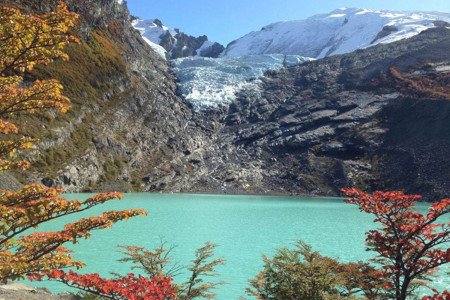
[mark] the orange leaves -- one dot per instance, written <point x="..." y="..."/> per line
<point x="128" y="287"/>
<point x="8" y="149"/>
<point x="27" y="40"/>
<point x="8" y="127"/>
<point x="34" y="205"/>
<point x="82" y="228"/>
<point x="14" y="99"/>
<point x="102" y="198"/>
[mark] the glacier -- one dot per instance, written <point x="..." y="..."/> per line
<point x="341" y="31"/>
<point x="214" y="82"/>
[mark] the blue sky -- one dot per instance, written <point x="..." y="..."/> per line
<point x="227" y="20"/>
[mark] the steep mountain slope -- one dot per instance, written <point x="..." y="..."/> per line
<point x="341" y="31"/>
<point x="126" y="117"/>
<point x="172" y="43"/>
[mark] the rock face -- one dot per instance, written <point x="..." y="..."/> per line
<point x="22" y="292"/>
<point x="377" y="118"/>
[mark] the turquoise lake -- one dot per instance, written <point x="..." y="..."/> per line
<point x="243" y="227"/>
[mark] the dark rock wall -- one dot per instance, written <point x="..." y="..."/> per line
<point x="347" y="120"/>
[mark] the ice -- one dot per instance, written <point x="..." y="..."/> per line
<point x="214" y="82"/>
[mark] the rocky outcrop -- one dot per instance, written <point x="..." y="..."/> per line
<point x="22" y="292"/>
<point x="214" y="50"/>
<point x="374" y="119"/>
<point x="387" y="30"/>
<point x="182" y="45"/>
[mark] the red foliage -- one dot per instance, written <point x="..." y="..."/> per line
<point x="431" y="84"/>
<point x="410" y="245"/>
<point x="438" y="296"/>
<point x="129" y="287"/>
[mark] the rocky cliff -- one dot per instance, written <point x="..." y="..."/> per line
<point x="375" y="118"/>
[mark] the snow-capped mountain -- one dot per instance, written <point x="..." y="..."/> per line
<point x="341" y="31"/>
<point x="172" y="43"/>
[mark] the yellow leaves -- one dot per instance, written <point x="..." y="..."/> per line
<point x="15" y="99"/>
<point x="9" y="81"/>
<point x="9" y="165"/>
<point x="27" y="40"/>
<point x="8" y="149"/>
<point x="45" y="94"/>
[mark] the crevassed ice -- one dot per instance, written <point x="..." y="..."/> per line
<point x="213" y="82"/>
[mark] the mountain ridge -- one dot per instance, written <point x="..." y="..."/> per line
<point x="173" y="43"/>
<point x="340" y="31"/>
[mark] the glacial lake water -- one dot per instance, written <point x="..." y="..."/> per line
<point x="243" y="227"/>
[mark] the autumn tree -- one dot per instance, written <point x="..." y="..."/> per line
<point x="304" y="274"/>
<point x="120" y="288"/>
<point x="410" y="245"/>
<point x="445" y="295"/>
<point x="159" y="262"/>
<point x="27" y="40"/>
<point x="159" y="268"/>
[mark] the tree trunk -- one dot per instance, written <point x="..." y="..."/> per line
<point x="404" y="290"/>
